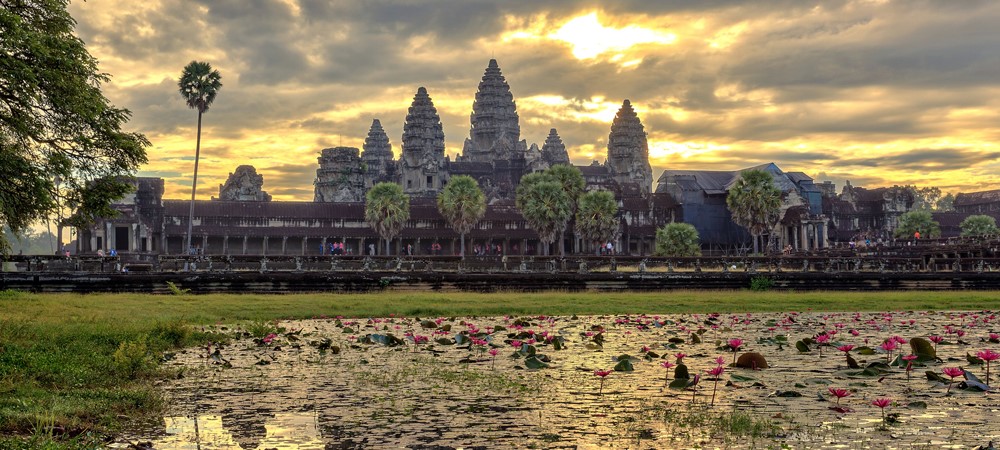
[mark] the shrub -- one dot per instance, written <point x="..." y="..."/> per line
<point x="174" y="333"/>
<point x="760" y="284"/>
<point x="678" y="239"/>
<point x="979" y="225"/>
<point x="132" y="358"/>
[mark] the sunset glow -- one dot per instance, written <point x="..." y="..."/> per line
<point x="879" y="93"/>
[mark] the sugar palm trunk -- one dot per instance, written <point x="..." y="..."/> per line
<point x="461" y="245"/>
<point x="562" y="244"/>
<point x="194" y="186"/>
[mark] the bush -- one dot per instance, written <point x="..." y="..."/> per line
<point x="678" y="239"/>
<point x="979" y="225"/>
<point x="132" y="358"/>
<point x="761" y="284"/>
<point x="174" y="333"/>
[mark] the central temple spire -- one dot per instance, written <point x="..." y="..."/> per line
<point x="423" y="158"/>
<point x="496" y="131"/>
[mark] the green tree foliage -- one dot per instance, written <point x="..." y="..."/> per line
<point x="462" y="204"/>
<point x="30" y="243"/>
<point x="678" y="239"/>
<point x="544" y="205"/>
<point x="597" y="217"/>
<point x="946" y="203"/>
<point x="914" y="221"/>
<point x="979" y="225"/>
<point x="387" y="209"/>
<point x="55" y="123"/>
<point x="755" y="203"/>
<point x="573" y="184"/>
<point x="199" y="85"/>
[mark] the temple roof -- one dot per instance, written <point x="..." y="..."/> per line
<point x="977" y="198"/>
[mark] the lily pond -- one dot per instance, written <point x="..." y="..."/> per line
<point x="914" y="379"/>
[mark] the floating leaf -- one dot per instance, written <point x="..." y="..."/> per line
<point x="532" y="362"/>
<point x="695" y="339"/>
<point x="444" y="341"/>
<point x="786" y="394"/>
<point x="972" y="383"/>
<point x="679" y="383"/>
<point x="923" y="349"/>
<point x="933" y="376"/>
<point x="866" y="351"/>
<point x="624" y="365"/>
<point x="740" y="378"/>
<point x="973" y="360"/>
<point x="851" y="363"/>
<point x="385" y="339"/>
<point x="558" y="343"/>
<point x="675" y="340"/>
<point x="594" y="346"/>
<point x="751" y="360"/>
<point x="461" y="339"/>
<point x="681" y="371"/>
<point x="802" y="347"/>
<point x="528" y="350"/>
<point x="917" y="405"/>
<point x="841" y="409"/>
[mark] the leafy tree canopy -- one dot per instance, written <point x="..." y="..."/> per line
<point x="755" y="202"/>
<point x="387" y="209"/>
<point x="61" y="140"/>
<point x="462" y="204"/>
<point x="544" y="205"/>
<point x="678" y="239"/>
<point x="597" y="216"/>
<point x="979" y="225"/>
<point x="915" y="221"/>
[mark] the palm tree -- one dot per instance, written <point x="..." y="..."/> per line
<point x="199" y="85"/>
<point x="544" y="205"/>
<point x="573" y="184"/>
<point x="597" y="217"/>
<point x="755" y="203"/>
<point x="462" y="204"/>
<point x="387" y="209"/>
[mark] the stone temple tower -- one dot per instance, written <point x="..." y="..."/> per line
<point x="495" y="133"/>
<point x="376" y="156"/>
<point x="554" y="151"/>
<point x="423" y="164"/>
<point x="628" y="151"/>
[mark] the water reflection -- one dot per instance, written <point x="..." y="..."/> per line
<point x="291" y="431"/>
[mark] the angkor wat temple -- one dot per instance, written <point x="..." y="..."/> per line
<point x="244" y="220"/>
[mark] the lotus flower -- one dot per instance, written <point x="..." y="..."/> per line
<point x="602" y="374"/>
<point x="735" y="344"/>
<point x="716" y="372"/>
<point x="952" y="372"/>
<point x="666" y="373"/>
<point x="988" y="355"/>
<point x="936" y="340"/>
<point x="839" y="393"/>
<point x="882" y="403"/>
<point x="909" y="365"/>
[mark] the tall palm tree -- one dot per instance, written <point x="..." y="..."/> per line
<point x="462" y="204"/>
<point x="755" y="203"/>
<point x="544" y="205"/>
<point x="597" y="217"/>
<point x="199" y="85"/>
<point x="573" y="184"/>
<point x="387" y="209"/>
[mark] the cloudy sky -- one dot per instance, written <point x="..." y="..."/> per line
<point x="877" y="92"/>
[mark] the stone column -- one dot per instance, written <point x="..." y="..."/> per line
<point x="284" y="243"/>
<point x="804" y="233"/>
<point x="225" y="245"/>
<point x="204" y="244"/>
<point x="524" y="246"/>
<point x="263" y="246"/>
<point x="305" y="241"/>
<point x="416" y="248"/>
<point x="244" y="244"/>
<point x="826" y="236"/>
<point x="795" y="237"/>
<point x="323" y="242"/>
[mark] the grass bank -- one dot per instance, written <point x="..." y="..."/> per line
<point x="74" y="367"/>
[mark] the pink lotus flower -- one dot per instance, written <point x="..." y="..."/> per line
<point x="602" y="374"/>
<point x="680" y="357"/>
<point x="270" y="337"/>
<point x="882" y="403"/>
<point x="994" y="337"/>
<point x="839" y="393"/>
<point x="720" y="360"/>
<point x="517" y="344"/>
<point x="952" y="372"/>
<point x="988" y="356"/>
<point x="715" y="372"/>
<point x="846" y="348"/>
<point x="854" y="332"/>
<point x="735" y="344"/>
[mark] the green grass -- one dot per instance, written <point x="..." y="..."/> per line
<point x="83" y="363"/>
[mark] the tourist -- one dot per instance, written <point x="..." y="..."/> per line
<point x="610" y="248"/>
<point x="322" y="248"/>
<point x="100" y="252"/>
<point x="916" y="235"/>
<point x="371" y="249"/>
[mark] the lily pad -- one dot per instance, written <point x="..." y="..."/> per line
<point x="624" y="365"/>
<point x="532" y="362"/>
<point x="786" y="394"/>
<point x="802" y="347"/>
<point x="923" y="349"/>
<point x="681" y="371"/>
<point x="752" y="360"/>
